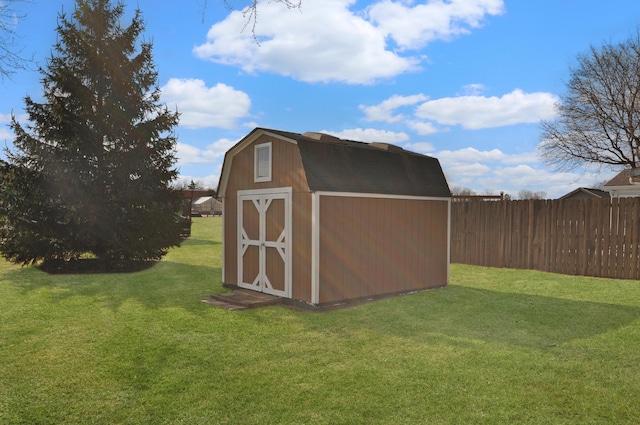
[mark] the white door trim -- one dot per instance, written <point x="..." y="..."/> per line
<point x="262" y="200"/>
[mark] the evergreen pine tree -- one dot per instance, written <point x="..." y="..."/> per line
<point x="91" y="173"/>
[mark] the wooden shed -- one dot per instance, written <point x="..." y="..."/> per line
<point x="319" y="220"/>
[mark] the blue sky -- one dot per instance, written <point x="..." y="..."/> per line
<point x="466" y="81"/>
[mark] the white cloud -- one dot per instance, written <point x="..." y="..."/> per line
<point x="325" y="42"/>
<point x="6" y="118"/>
<point x="420" y="147"/>
<point x="473" y="89"/>
<point x="369" y="135"/>
<point x="423" y="128"/>
<point x="495" y="171"/>
<point x="384" y="111"/>
<point x="476" y="112"/>
<point x="5" y="131"/>
<point x="328" y="41"/>
<point x="467" y="172"/>
<point x="6" y="134"/>
<point x="526" y="158"/>
<point x="412" y="27"/>
<point x="471" y="154"/>
<point x="202" y="107"/>
<point x="189" y="154"/>
<point x="476" y="169"/>
<point x="250" y="124"/>
<point x="471" y="112"/>
<point x="493" y="159"/>
<point x="536" y="178"/>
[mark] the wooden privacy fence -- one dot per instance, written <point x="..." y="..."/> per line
<point x="589" y="237"/>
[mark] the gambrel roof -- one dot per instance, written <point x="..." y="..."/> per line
<point x="336" y="165"/>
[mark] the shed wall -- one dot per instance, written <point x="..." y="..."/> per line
<point x="374" y="246"/>
<point x="287" y="171"/>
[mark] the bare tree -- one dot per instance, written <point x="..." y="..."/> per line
<point x="599" y="116"/>
<point x="462" y="191"/>
<point x="11" y="55"/>
<point x="530" y="194"/>
<point x="251" y="11"/>
<point x="181" y="184"/>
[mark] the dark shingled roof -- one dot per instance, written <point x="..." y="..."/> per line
<point x="584" y="193"/>
<point x="622" y="179"/>
<point x="336" y="165"/>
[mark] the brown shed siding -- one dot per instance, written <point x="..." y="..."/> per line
<point x="371" y="246"/>
<point x="287" y="171"/>
<point x="344" y="239"/>
<point x="287" y="168"/>
<point x="230" y="239"/>
<point x="301" y="236"/>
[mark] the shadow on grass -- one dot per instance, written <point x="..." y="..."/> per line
<point x="165" y="284"/>
<point x="464" y="315"/>
<point x="456" y="314"/>
<point x="196" y="242"/>
<point x="93" y="265"/>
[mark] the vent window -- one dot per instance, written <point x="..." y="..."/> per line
<point x="262" y="162"/>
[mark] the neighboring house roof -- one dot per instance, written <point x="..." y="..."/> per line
<point x="336" y="165"/>
<point x="586" y="193"/>
<point x="622" y="179"/>
<point x="623" y="185"/>
<point x="197" y="193"/>
<point x="202" y="200"/>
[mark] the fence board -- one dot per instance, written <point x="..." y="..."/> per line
<point x="583" y="253"/>
<point x="635" y="239"/>
<point x="626" y="242"/>
<point x="614" y="260"/>
<point x="581" y="237"/>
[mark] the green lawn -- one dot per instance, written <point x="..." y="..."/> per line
<point x="495" y="346"/>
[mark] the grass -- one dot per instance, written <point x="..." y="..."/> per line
<point x="495" y="346"/>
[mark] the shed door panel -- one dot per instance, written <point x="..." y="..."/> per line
<point x="275" y="246"/>
<point x="250" y="267"/>
<point x="250" y="243"/>
<point x="264" y="240"/>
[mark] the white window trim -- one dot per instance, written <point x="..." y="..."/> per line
<point x="256" y="177"/>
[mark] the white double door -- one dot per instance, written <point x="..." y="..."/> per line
<point x="264" y="241"/>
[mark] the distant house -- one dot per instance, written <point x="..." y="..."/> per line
<point x="623" y="185"/>
<point x="202" y="201"/>
<point x="207" y="205"/>
<point x="318" y="220"/>
<point x="586" y="193"/>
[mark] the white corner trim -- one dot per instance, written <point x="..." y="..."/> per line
<point x="382" y="196"/>
<point x="315" y="248"/>
<point x="223" y="242"/>
<point x="448" y="240"/>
